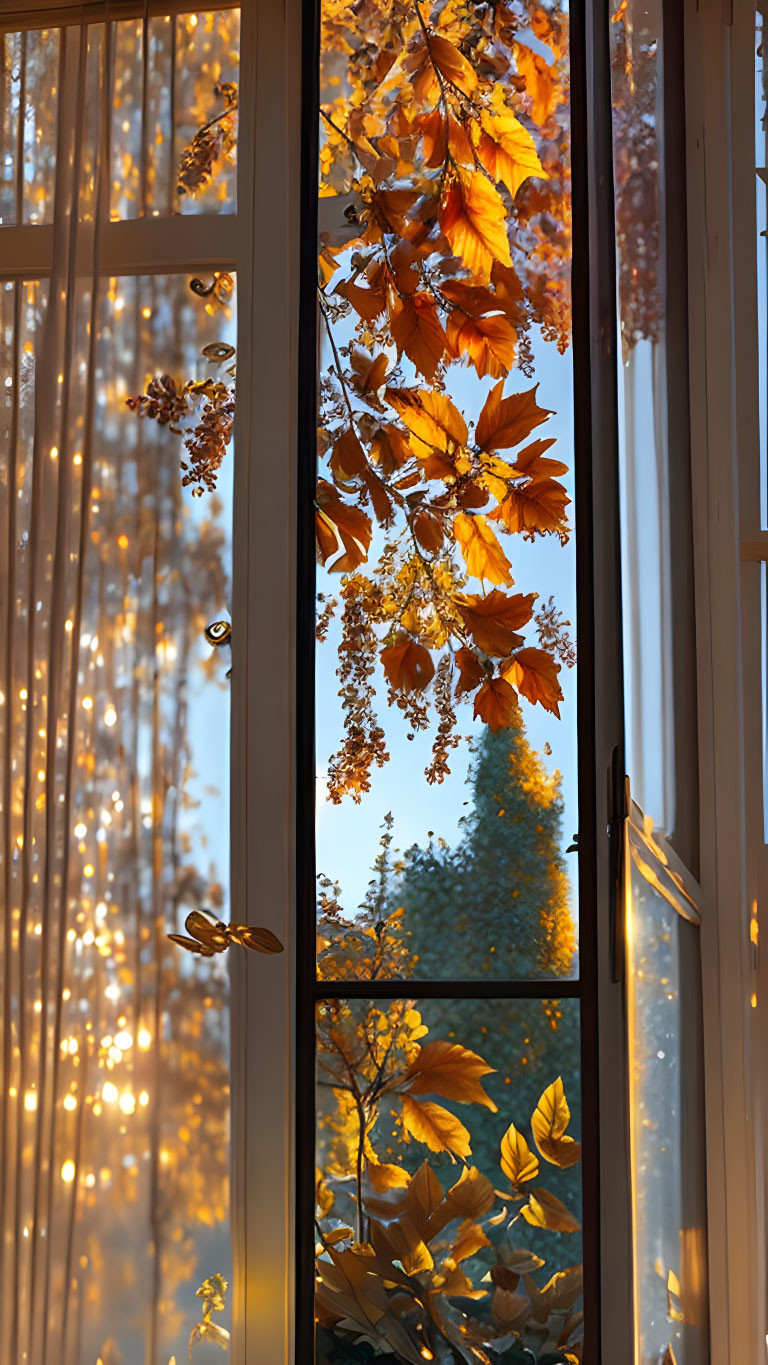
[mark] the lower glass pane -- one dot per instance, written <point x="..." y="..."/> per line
<point x="448" y="1181"/>
<point x="667" y="1130"/>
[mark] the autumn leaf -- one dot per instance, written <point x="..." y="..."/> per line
<point x="495" y="620"/>
<point x="496" y="704"/>
<point x="506" y="148"/>
<point x="559" y="1293"/>
<point x="534" y="672"/>
<point x="469" y="1240"/>
<point x="539" y="82"/>
<point x="408" y="665"/>
<point x="451" y="63"/>
<point x="472" y="299"/>
<point x="384" y="1177"/>
<point x="471" y="1196"/>
<point x="544" y="1210"/>
<point x="434" y="132"/>
<point x="347" y="460"/>
<point x="510" y="1311"/>
<point x="369" y="303"/>
<point x="430" y="417"/>
<point x="473" y="217"/>
<point x="390" y="448"/>
<point x="368" y="372"/>
<point x="338" y="525"/>
<point x="425" y="1196"/>
<point x="549" y="1122"/>
<point x="490" y="343"/>
<point x="471" y="671"/>
<point x="518" y="1162"/>
<point x="451" y="1071"/>
<point x="534" y="507"/>
<point x="504" y="422"/>
<point x="428" y="530"/>
<point x="482" y="552"/>
<point x="435" y="1126"/>
<point x="417" y="330"/>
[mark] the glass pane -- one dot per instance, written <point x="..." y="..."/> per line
<point x="667" y="1129"/>
<point x="115" y="803"/>
<point x="657" y="581"/>
<point x="28" y="125"/>
<point x="446" y="686"/>
<point x="447" y="1212"/>
<point x="174" y="123"/>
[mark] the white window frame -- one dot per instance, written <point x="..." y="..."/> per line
<point x="728" y="549"/>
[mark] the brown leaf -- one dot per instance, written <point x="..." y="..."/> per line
<point x="559" y="1293"/>
<point x="451" y="1071"/>
<point x="434" y="132"/>
<point x="506" y="148"/>
<point x="471" y="1196"/>
<point x="338" y="525"/>
<point x="417" y="330"/>
<point x="408" y="665"/>
<point x="430" y="417"/>
<point x="496" y="704"/>
<point x="451" y="63"/>
<point x="543" y="1210"/>
<point x="504" y="422"/>
<point x="368" y="303"/>
<point x="534" y="672"/>
<point x="471" y="671"/>
<point x="347" y="460"/>
<point x="518" y="1162"/>
<point x="473" y="217"/>
<point x="490" y="343"/>
<point x="510" y="1311"/>
<point x="435" y="1126"/>
<point x="482" y="552"/>
<point x="390" y="448"/>
<point x="495" y="620"/>
<point x="428" y="530"/>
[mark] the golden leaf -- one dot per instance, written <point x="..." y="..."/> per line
<point x="436" y="1127"/>
<point x="451" y="1071"/>
<point x="490" y="343"/>
<point x="482" y="552"/>
<point x="495" y="620"/>
<point x="504" y="422"/>
<point x="417" y="330"/>
<point x="408" y="665"/>
<point x="510" y="1311"/>
<point x="425" y="1195"/>
<point x="496" y="704"/>
<point x="559" y="1293"/>
<point x="534" y="672"/>
<point x="385" y="1177"/>
<point x="474" y="220"/>
<point x="469" y="1240"/>
<point x="430" y="417"/>
<point x="539" y="82"/>
<point x="518" y="1162"/>
<point x="543" y="1210"/>
<point x="506" y="148"/>
<point x="451" y="63"/>
<point x="471" y="1196"/>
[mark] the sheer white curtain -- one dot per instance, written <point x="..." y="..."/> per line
<point x="114" y="735"/>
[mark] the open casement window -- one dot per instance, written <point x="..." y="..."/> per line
<point x="451" y="556"/>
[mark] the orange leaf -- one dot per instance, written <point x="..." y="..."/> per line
<point x="434" y="132"/>
<point x="417" y="330"/>
<point x="451" y="63"/>
<point x="543" y="1210"/>
<point x="390" y="448"/>
<point x="474" y="299"/>
<point x="473" y="217"/>
<point x="430" y="417"/>
<point x="384" y="1177"/>
<point x="518" y="1162"/>
<point x="529" y="461"/>
<point x="435" y="1126"/>
<point x="369" y="303"/>
<point x="495" y="620"/>
<point x="347" y="459"/>
<point x="496" y="704"/>
<point x="368" y="373"/>
<point x="539" y="82"/>
<point x="506" y="149"/>
<point x="549" y="1122"/>
<point x="408" y="665"/>
<point x="482" y="552"/>
<point x="534" y="672"/>
<point x="471" y="671"/>
<point x="340" y="526"/>
<point x="536" y="507"/>
<point x="489" y="342"/>
<point x="451" y="1071"/>
<point x="504" y="422"/>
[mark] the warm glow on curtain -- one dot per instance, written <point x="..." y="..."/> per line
<point x="114" y="732"/>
